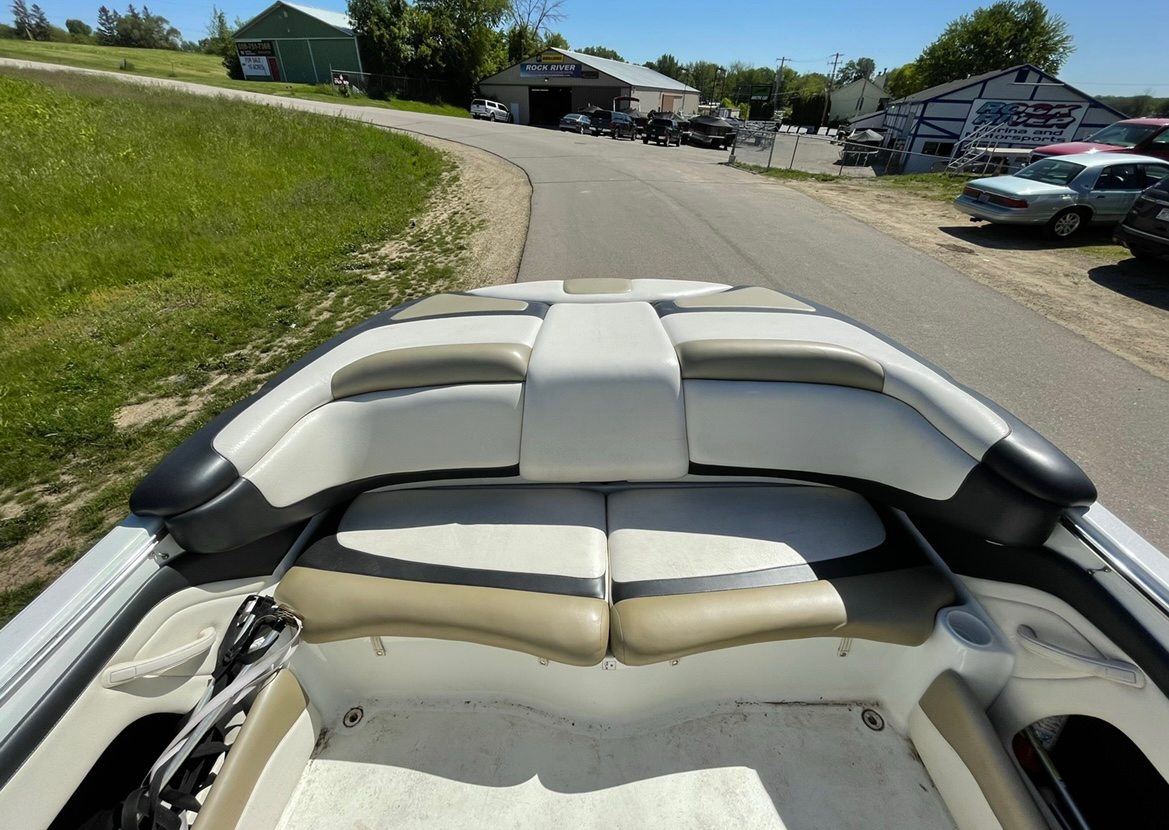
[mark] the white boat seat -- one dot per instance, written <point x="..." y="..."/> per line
<point x="698" y="569"/>
<point x="518" y="569"/>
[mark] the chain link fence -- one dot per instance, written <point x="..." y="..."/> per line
<point x="385" y="87"/>
<point x="795" y="148"/>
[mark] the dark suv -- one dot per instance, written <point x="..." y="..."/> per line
<point x="665" y="131"/>
<point x="616" y="124"/>
<point x="1145" y="231"/>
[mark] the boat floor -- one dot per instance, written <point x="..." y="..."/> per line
<point x="744" y="765"/>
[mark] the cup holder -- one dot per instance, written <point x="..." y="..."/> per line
<point x="967" y="628"/>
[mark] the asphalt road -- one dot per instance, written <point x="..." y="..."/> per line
<point x="619" y="208"/>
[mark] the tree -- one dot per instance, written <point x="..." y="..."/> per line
<point x="78" y="28"/>
<point x="555" y="40"/>
<point x="668" y="65"/>
<point x="383" y="34"/>
<point x="40" y="23"/>
<point x="21" y="20"/>
<point x="904" y="80"/>
<point x="535" y="15"/>
<point x="219" y="41"/>
<point x="857" y="69"/>
<point x="602" y="52"/>
<point x="1006" y="34"/>
<point x="458" y="41"/>
<point x="107" y="27"/>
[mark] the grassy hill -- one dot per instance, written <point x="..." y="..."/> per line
<point x="189" y="66"/>
<point x="161" y="254"/>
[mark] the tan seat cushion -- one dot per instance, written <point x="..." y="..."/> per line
<point x="522" y="569"/>
<point x="698" y="569"/>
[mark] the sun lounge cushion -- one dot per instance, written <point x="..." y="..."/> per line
<point x="518" y="569"/>
<point x="698" y="569"/>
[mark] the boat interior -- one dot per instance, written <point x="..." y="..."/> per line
<point x="624" y="554"/>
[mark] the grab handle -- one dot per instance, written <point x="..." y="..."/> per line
<point x="120" y="673"/>
<point x="1115" y="670"/>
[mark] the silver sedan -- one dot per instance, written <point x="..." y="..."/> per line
<point x="1065" y="193"/>
<point x="575" y="122"/>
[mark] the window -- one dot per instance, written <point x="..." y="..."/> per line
<point x="1161" y="140"/>
<point x="1051" y="171"/>
<point x="1154" y="173"/>
<point x="1121" y="177"/>
<point x="1123" y="135"/>
<point x="938" y="148"/>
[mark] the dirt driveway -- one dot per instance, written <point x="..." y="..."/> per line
<point x="1120" y="306"/>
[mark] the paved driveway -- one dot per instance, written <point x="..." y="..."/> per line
<point x="621" y="208"/>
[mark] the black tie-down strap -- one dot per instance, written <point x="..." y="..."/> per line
<point x="258" y="643"/>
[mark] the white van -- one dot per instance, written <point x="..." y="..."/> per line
<point x="491" y="110"/>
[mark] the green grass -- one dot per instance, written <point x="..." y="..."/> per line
<point x="157" y="245"/>
<point x="198" y="68"/>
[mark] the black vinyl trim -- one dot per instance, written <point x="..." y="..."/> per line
<point x="1055" y="574"/>
<point x="984" y="504"/>
<point x="330" y="555"/>
<point x="241" y="514"/>
<point x="877" y="560"/>
<point x="898" y="550"/>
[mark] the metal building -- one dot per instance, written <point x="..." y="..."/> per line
<point x="294" y="43"/>
<point x="558" y="81"/>
<point x="1017" y="107"/>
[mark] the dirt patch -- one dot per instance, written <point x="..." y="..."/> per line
<point x="1122" y="307"/>
<point x="487" y="196"/>
<point x="137" y="414"/>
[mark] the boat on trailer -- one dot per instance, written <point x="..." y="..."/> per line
<point x="599" y="553"/>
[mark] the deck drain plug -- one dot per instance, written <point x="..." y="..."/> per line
<point x="354" y="716"/>
<point x="871" y="719"/>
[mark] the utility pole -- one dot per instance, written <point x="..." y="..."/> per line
<point x="778" y="83"/>
<point x="828" y="92"/>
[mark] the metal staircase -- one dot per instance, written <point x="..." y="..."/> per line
<point x="970" y="152"/>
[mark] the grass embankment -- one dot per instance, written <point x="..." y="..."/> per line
<point x="198" y="68"/>
<point x="161" y="254"/>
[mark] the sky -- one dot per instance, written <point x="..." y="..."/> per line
<point x="1113" y="54"/>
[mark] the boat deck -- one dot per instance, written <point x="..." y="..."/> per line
<point x="497" y="765"/>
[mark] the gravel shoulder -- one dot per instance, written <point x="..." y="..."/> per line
<point x="1121" y="307"/>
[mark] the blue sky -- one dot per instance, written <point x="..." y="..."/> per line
<point x="1116" y="54"/>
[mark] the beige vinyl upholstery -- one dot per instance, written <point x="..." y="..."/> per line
<point x="512" y="568"/>
<point x="699" y="569"/>
<point x="277" y="708"/>
<point x="955" y="713"/>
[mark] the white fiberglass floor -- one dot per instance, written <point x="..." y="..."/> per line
<point x="746" y="765"/>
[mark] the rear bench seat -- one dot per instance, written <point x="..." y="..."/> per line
<point x="705" y="568"/>
<point x="518" y="569"/>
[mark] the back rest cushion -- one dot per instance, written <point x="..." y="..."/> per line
<point x="603" y="397"/>
<point x="815" y="428"/>
<point x="387" y="433"/>
<point x="256" y="430"/>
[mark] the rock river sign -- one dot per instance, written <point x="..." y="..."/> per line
<point x="1024" y="123"/>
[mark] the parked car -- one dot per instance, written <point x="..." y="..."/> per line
<point x="616" y="124"/>
<point x="1143" y="136"/>
<point x="575" y="122"/>
<point x="1145" y="230"/>
<point x="711" y="131"/>
<point x="489" y="110"/>
<point x="1063" y="194"/>
<point x="662" y="131"/>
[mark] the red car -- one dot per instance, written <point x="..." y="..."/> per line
<point x="1145" y="136"/>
